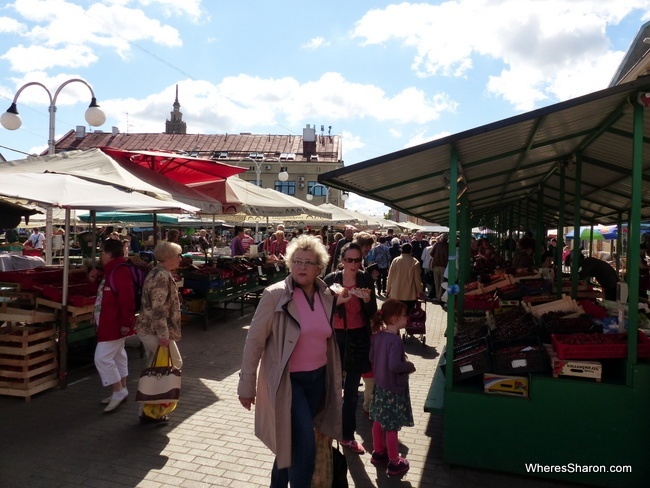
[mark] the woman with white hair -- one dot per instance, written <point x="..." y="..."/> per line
<point x="159" y="322"/>
<point x="291" y="369"/>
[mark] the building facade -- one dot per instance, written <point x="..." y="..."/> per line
<point x="303" y="158"/>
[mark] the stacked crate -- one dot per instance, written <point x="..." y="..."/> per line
<point x="28" y="358"/>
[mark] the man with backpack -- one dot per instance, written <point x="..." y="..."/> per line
<point x="114" y="317"/>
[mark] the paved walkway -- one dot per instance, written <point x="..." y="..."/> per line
<point x="61" y="438"/>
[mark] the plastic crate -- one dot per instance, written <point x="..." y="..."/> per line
<point x="613" y="346"/>
<point x="525" y="355"/>
<point x="471" y="360"/>
<point x="485" y="301"/>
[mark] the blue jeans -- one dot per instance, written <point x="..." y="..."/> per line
<point x="307" y="393"/>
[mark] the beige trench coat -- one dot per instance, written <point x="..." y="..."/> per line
<point x="271" y="339"/>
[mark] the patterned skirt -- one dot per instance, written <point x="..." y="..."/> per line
<point x="391" y="410"/>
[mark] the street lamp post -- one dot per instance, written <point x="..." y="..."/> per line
<point x="310" y="195"/>
<point x="11" y="120"/>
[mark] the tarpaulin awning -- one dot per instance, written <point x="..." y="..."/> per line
<point x="184" y="169"/>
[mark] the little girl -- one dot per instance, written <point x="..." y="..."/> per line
<point x="390" y="408"/>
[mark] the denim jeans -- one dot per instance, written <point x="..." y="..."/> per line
<point x="307" y="393"/>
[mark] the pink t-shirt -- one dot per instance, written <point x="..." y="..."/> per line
<point x="310" y="352"/>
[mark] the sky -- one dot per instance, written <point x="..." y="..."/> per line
<point x="383" y="75"/>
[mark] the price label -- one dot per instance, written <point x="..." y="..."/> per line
<point x="519" y="363"/>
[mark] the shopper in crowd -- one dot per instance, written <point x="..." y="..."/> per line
<point x="427" y="269"/>
<point x="247" y="240"/>
<point x="602" y="272"/>
<point x="404" y="281"/>
<point x="114" y="318"/>
<point x="331" y="249"/>
<point x="279" y="245"/>
<point x="236" y="245"/>
<point x="381" y="257"/>
<point x="36" y="240"/>
<point x="159" y="321"/>
<point x="173" y="235"/>
<point x="523" y="259"/>
<point x="292" y="345"/>
<point x="352" y="327"/>
<point x="204" y="241"/>
<point x="347" y="237"/>
<point x="439" y="260"/>
<point x="390" y="408"/>
<point x="395" y="248"/>
<point x="418" y="243"/>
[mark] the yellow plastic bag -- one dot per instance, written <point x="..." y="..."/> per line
<point x="158" y="410"/>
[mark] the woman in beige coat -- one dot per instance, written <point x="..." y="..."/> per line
<point x="404" y="281"/>
<point x="299" y="385"/>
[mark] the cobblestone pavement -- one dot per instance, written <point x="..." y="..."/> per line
<point x="61" y="438"/>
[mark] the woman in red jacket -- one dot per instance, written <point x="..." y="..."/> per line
<point x="115" y="319"/>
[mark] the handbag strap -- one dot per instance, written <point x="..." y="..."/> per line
<point x="170" y="362"/>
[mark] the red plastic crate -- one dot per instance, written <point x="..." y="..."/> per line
<point x="486" y="301"/>
<point x="599" y="351"/>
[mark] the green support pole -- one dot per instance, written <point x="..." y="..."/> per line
<point x="634" y="239"/>
<point x="451" y="263"/>
<point x="619" y="242"/>
<point x="557" y="259"/>
<point x="464" y="253"/>
<point x="575" y="252"/>
<point x="539" y="226"/>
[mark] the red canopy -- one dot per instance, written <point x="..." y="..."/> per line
<point x="184" y="169"/>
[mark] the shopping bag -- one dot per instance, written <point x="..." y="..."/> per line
<point x="331" y="467"/>
<point x="161" y="382"/>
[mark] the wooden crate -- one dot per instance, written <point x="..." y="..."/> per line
<point x="28" y="360"/>
<point x="26" y="316"/>
<point x="75" y="314"/>
<point x="23" y="341"/>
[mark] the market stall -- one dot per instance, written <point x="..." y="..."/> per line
<point x="46" y="299"/>
<point x="576" y="163"/>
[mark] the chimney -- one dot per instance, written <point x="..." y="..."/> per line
<point x="81" y="132"/>
<point x="308" y="142"/>
<point x="115" y="131"/>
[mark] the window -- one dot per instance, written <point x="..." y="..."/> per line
<point x="286" y="187"/>
<point x="254" y="182"/>
<point x="317" y="191"/>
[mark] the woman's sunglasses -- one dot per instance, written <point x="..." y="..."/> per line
<point x="352" y="260"/>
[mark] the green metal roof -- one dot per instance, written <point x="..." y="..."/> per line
<point x="508" y="164"/>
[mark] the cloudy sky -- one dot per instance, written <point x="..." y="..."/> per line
<point x="383" y="75"/>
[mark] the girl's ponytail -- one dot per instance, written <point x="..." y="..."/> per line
<point x="391" y="308"/>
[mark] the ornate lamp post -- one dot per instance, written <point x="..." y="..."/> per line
<point x="11" y="120"/>
<point x="310" y="195"/>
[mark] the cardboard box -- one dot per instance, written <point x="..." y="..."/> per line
<point x="505" y="385"/>
<point x="577" y="369"/>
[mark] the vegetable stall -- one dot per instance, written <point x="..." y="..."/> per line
<point x="580" y="162"/>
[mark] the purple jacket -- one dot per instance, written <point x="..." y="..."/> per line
<point x="389" y="364"/>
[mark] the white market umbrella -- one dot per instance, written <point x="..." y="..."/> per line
<point x="238" y="196"/>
